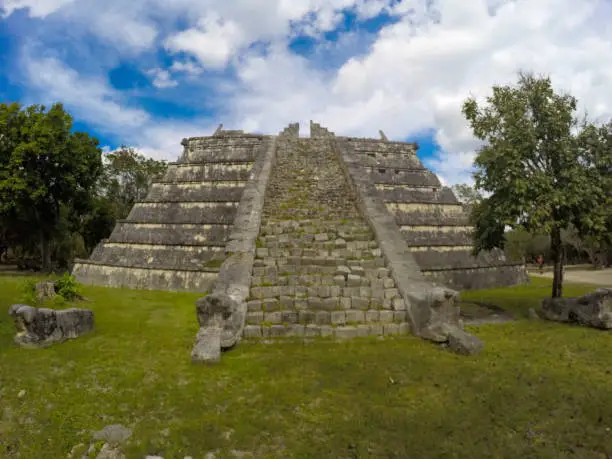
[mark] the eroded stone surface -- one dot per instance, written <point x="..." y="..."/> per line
<point x="592" y="310"/>
<point x="40" y="327"/>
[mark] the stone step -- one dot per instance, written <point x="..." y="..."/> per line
<point x="318" y="255"/>
<point x="387" y="301"/>
<point x="313" y="263"/>
<point x="326" y="317"/>
<point x="318" y="241"/>
<point x="313" y="330"/>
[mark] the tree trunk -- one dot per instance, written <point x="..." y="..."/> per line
<point x="556" y="247"/>
<point x="45" y="252"/>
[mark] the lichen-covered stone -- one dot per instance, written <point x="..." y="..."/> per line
<point x="41" y="327"/>
<point x="592" y="310"/>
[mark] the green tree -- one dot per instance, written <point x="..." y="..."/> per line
<point x="532" y="167"/>
<point x="468" y="195"/>
<point x="44" y="166"/>
<point x="127" y="178"/>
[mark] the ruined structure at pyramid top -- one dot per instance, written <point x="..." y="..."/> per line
<point x="293" y="130"/>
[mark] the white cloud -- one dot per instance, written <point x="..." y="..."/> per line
<point x="95" y="102"/>
<point x="413" y="77"/>
<point x="213" y="41"/>
<point x="162" y="78"/>
<point x="36" y="8"/>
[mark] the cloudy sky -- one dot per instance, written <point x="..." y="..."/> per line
<point x="150" y="72"/>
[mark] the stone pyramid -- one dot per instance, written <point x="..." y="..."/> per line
<point x="314" y="221"/>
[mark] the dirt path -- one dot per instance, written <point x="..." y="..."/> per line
<point x="601" y="277"/>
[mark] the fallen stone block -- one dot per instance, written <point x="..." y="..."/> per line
<point x="464" y="343"/>
<point x="591" y="310"/>
<point x="41" y="327"/>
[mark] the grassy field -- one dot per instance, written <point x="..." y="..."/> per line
<point x="539" y="390"/>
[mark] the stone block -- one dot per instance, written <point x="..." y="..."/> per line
<point x="462" y="342"/>
<point x="329" y="304"/>
<point x="315" y="302"/>
<point x="300" y="303"/>
<point x="207" y="347"/>
<point x="286" y="302"/>
<point x="311" y="331"/>
<point x="353" y="316"/>
<point x="372" y="316"/>
<point x="365" y="292"/>
<point x="391" y="293"/>
<point x="252" y="331"/>
<point x="363" y="330"/>
<point x="339" y="280"/>
<point x="398" y="304"/>
<point x="400" y="316"/>
<point x="376" y="329"/>
<point x="386" y="316"/>
<point x="278" y="331"/>
<point x="358" y="302"/>
<point x="296" y="330"/>
<point x="404" y="328"/>
<point x="338" y="317"/>
<point x="254" y="305"/>
<point x="323" y="318"/>
<point x="353" y="280"/>
<point x="389" y="282"/>
<point x="255" y="317"/>
<point x="41" y="327"/>
<point x="324" y="291"/>
<point x="306" y="317"/>
<point x="346" y="332"/>
<point x="326" y="330"/>
<point x="275" y="317"/>
<point x="345" y="303"/>
<point x="391" y="329"/>
<point x="270" y="304"/>
<point x="289" y="317"/>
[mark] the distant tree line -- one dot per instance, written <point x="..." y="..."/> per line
<point x="59" y="194"/>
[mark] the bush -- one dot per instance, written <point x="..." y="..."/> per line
<point x="68" y="288"/>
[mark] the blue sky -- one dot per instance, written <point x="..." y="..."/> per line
<point x="150" y="72"/>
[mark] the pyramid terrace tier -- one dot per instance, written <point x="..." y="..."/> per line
<point x="437" y="235"/>
<point x="171" y="233"/>
<point x="431" y="258"/>
<point x="410" y="194"/>
<point x="159" y="256"/>
<point x="207" y="172"/>
<point x="212" y="149"/>
<point x="222" y="155"/>
<point x="218" y="213"/>
<point x="480" y="278"/>
<point x="94" y="273"/>
<point x="425" y="214"/>
<point x="396" y="176"/>
<point x="217" y="191"/>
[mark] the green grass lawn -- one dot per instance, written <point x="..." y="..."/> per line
<point x="538" y="389"/>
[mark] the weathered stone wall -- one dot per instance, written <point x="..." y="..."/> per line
<point x="432" y="220"/>
<point x="292" y="131"/>
<point x="180" y="230"/>
<point x="317" y="131"/>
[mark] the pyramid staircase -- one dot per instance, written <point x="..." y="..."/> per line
<point x="318" y="269"/>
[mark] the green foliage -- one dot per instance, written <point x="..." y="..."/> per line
<point x="43" y="167"/>
<point x="28" y="292"/>
<point x="67" y="287"/>
<point x="537" y="173"/>
<point x="127" y="178"/>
